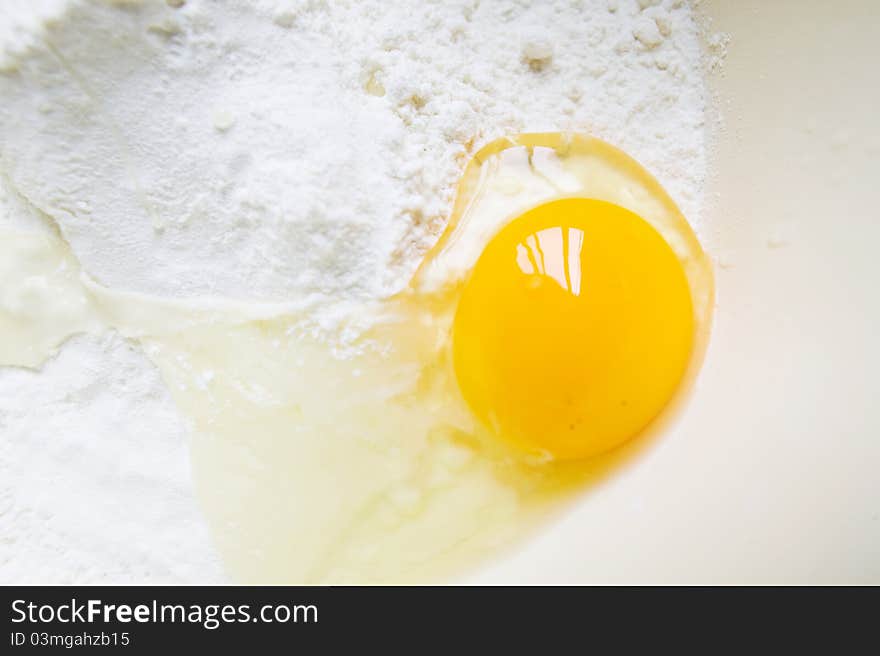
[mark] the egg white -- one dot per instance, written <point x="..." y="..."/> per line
<point x="316" y="467"/>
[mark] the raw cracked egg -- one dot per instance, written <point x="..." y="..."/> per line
<point x="583" y="294"/>
<point x="558" y="317"/>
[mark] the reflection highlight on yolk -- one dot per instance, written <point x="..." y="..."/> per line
<point x="574" y="329"/>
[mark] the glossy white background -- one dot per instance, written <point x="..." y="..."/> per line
<point x="772" y="473"/>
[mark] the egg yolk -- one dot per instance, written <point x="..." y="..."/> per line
<point x="574" y="329"/>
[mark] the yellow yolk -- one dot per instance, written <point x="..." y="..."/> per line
<point x="574" y="330"/>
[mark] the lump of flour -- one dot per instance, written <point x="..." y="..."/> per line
<point x="94" y="474"/>
<point x="296" y="151"/>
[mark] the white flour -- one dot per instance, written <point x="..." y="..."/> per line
<point x="297" y="151"/>
<point x="96" y="474"/>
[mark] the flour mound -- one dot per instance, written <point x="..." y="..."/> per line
<point x="309" y="152"/>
